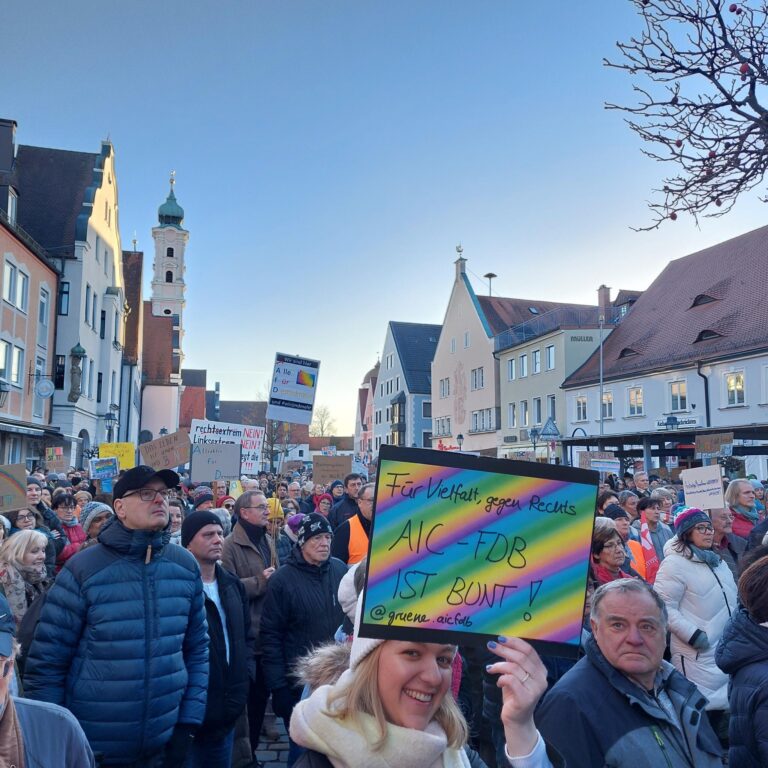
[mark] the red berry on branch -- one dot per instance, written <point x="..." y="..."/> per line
<point x="718" y="202"/>
<point x="712" y="154"/>
<point x="732" y="7"/>
<point x="673" y="216"/>
<point x="679" y="143"/>
<point x="738" y="11"/>
<point x="744" y="68"/>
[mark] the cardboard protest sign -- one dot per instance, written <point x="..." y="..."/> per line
<point x="326" y="469"/>
<point x="294" y="385"/>
<point x="214" y="462"/>
<point x="586" y="458"/>
<point x="703" y="487"/>
<point x="249" y="438"/>
<point x="55" y="461"/>
<point x="13" y="487"/>
<point x="714" y="444"/>
<point x="168" y="451"/>
<point x="103" y="469"/>
<point x="125" y="453"/>
<point x="465" y="548"/>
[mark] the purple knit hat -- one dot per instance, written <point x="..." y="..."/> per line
<point x="688" y="518"/>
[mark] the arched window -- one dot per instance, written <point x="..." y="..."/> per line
<point x="169" y="252"/>
<point x="169" y="276"/>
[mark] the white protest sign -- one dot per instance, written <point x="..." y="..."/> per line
<point x="217" y="461"/>
<point x="249" y="438"/>
<point x="292" y="394"/>
<point x="703" y="487"/>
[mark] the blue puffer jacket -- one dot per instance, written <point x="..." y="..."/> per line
<point x="123" y="644"/>
<point x="742" y="653"/>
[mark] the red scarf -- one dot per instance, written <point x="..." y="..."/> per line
<point x="603" y="575"/>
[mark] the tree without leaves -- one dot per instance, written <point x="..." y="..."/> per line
<point x="704" y="64"/>
<point x="322" y="422"/>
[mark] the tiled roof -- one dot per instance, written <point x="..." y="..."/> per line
<point x="416" y="344"/>
<point x="662" y="329"/>
<point x="133" y="265"/>
<point x="194" y="377"/>
<point x="625" y="297"/>
<point x="250" y="412"/>
<point x="503" y="313"/>
<point x="158" y="347"/>
<point x="53" y="184"/>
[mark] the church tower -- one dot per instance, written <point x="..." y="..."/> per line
<point x="168" y="272"/>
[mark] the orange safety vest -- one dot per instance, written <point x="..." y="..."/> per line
<point x="638" y="559"/>
<point x="358" y="541"/>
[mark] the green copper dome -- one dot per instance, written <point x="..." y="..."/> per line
<point x="170" y="212"/>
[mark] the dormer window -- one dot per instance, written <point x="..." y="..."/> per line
<point x="627" y="352"/>
<point x="708" y="334"/>
<point x="702" y="298"/>
<point x="533" y="310"/>
<point x="13" y="205"/>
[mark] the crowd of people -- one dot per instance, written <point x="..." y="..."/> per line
<point x="167" y="625"/>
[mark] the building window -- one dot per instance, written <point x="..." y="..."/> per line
<point x="14" y="450"/>
<point x="397" y="383"/>
<point x="93" y="312"/>
<point x="59" y="371"/>
<point x="103" y="324"/>
<point x="453" y="346"/>
<point x="22" y="291"/>
<point x="426" y="439"/>
<point x="390" y="361"/>
<point x="551" y="407"/>
<point x="482" y="420"/>
<point x="678" y="395"/>
<point x="734" y="388"/>
<point x="523" y="366"/>
<point x="13" y="205"/>
<point x="466" y="339"/>
<point x="99" y="386"/>
<point x="536" y="360"/>
<point x="512" y="415"/>
<point x="169" y="253"/>
<point x="445" y="387"/>
<point x="91" y="377"/>
<point x="550" y="350"/>
<point x="42" y="318"/>
<point x="64" y="298"/>
<point x="477" y="378"/>
<point x="537" y="410"/>
<point x="17" y="366"/>
<point x="117" y="328"/>
<point x="581" y="408"/>
<point x="9" y="282"/>
<point x="169" y="276"/>
<point x="607" y="405"/>
<point x="524" y="413"/>
<point x="5" y="360"/>
<point x="426" y="409"/>
<point x="635" y="401"/>
<point x="511" y="369"/>
<point x="388" y="416"/>
<point x="87" y="304"/>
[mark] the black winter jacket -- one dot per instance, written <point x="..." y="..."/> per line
<point x="301" y="610"/>
<point x="743" y="654"/>
<point x="227" y="682"/>
<point x="342" y="510"/>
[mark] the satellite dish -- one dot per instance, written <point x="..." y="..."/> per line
<point x="44" y="388"/>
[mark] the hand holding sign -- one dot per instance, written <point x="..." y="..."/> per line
<point x="478" y="546"/>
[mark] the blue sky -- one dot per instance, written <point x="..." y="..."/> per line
<point x="330" y="156"/>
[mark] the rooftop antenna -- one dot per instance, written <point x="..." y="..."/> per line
<point x="489" y="277"/>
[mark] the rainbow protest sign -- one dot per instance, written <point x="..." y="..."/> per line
<point x="478" y="546"/>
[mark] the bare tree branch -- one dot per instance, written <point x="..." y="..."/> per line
<point x="703" y="66"/>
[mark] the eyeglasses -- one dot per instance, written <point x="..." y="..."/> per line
<point x="703" y="528"/>
<point x="260" y="507"/>
<point x="228" y="506"/>
<point x="25" y="517"/>
<point x="612" y="545"/>
<point x="147" y="494"/>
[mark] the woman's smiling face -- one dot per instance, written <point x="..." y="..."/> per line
<point x="413" y="678"/>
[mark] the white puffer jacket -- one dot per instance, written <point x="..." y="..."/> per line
<point x="697" y="597"/>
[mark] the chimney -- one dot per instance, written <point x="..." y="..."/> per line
<point x="460" y="262"/>
<point x="603" y="301"/>
<point x="7" y="144"/>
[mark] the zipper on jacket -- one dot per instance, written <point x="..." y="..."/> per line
<point x="720" y="584"/>
<point x="147" y="643"/>
<point x="662" y="746"/>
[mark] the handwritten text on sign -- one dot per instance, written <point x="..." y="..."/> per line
<point x="463" y="549"/>
<point x="703" y="487"/>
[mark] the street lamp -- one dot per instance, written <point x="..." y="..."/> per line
<point x="534" y="435"/>
<point x="460" y="440"/>
<point x="110" y="421"/>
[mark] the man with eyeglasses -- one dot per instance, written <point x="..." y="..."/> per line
<point x="249" y="553"/>
<point x="122" y="640"/>
<point x="350" y="539"/>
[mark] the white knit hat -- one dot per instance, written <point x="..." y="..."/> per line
<point x="361" y="646"/>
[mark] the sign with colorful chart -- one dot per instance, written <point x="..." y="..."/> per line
<point x="125" y="453"/>
<point x="13" y="487"/>
<point x="467" y="548"/>
<point x="293" y="389"/>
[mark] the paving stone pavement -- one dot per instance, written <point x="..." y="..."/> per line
<point x="274" y="754"/>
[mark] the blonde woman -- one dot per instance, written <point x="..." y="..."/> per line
<point x="22" y="570"/>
